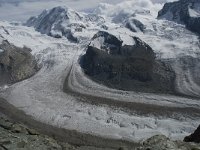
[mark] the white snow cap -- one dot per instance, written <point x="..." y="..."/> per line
<point x="125" y="38"/>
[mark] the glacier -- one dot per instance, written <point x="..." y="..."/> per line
<point x="93" y="108"/>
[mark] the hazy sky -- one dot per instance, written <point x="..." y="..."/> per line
<point x="21" y="10"/>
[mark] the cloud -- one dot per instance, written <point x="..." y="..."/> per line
<point x="21" y="10"/>
<point x="129" y="7"/>
<point x="162" y="1"/>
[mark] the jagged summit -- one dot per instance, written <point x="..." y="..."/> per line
<point x="110" y="61"/>
<point x="63" y="22"/>
<point x="57" y="22"/>
<point x="183" y="11"/>
<point x="60" y="13"/>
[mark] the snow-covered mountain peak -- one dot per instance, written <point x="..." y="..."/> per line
<point x="61" y="12"/>
<point x="57" y="22"/>
<point x="179" y="10"/>
<point x="183" y="11"/>
<point x="55" y="15"/>
<point x="109" y="40"/>
<point x="105" y="41"/>
<point x="64" y="22"/>
<point x="125" y="20"/>
<point x="130" y="14"/>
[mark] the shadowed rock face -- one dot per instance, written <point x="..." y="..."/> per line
<point x="16" y="63"/>
<point x="183" y="11"/>
<point x="126" y="67"/>
<point x="135" y="25"/>
<point x="195" y="137"/>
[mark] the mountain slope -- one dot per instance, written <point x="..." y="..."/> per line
<point x="126" y="67"/>
<point x="183" y="11"/>
<point x="63" y="22"/>
<point x="57" y="22"/>
<point x="16" y="64"/>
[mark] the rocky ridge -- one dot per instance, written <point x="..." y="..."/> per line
<point x="57" y="22"/>
<point x="63" y="22"/>
<point x="126" y="67"/>
<point x="183" y="11"/>
<point x="16" y="63"/>
<point x="194" y="137"/>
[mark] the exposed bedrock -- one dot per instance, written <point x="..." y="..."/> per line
<point x="126" y="67"/>
<point x="16" y="63"/>
<point x="183" y="11"/>
<point x="135" y="25"/>
<point x="161" y="142"/>
<point x="194" y="137"/>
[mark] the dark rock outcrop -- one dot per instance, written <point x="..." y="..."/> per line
<point x="16" y="63"/>
<point x="15" y="136"/>
<point x="195" y="137"/>
<point x="126" y="67"/>
<point x="135" y="25"/>
<point x="161" y="142"/>
<point x="183" y="11"/>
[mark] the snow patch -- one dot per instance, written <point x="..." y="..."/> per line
<point x="98" y="42"/>
<point x="193" y="13"/>
<point x="1" y="50"/>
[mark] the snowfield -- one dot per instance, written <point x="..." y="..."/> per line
<point x="95" y="109"/>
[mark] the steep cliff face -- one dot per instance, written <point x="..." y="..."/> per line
<point x="183" y="11"/>
<point x="16" y="63"/>
<point x="194" y="137"/>
<point x="126" y="67"/>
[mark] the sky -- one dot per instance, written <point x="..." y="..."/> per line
<point x="21" y="10"/>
